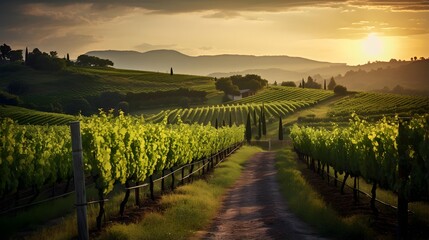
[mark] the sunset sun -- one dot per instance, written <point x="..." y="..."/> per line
<point x="372" y="46"/>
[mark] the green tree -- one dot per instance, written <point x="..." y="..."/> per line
<point x="92" y="61"/>
<point x="4" y="51"/>
<point x="312" y="84"/>
<point x="248" y="129"/>
<point x="280" y="128"/>
<point x="290" y="84"/>
<point x="26" y="55"/>
<point x="340" y="90"/>
<point x="15" y="55"/>
<point x="171" y="71"/>
<point x="332" y="84"/>
<point x="324" y="84"/>
<point x="275" y="83"/>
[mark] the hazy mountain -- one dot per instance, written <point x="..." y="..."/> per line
<point x="163" y="60"/>
<point x="412" y="76"/>
<point x="371" y="76"/>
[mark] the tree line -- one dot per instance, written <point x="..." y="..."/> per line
<point x="44" y="61"/>
<point x="311" y="83"/>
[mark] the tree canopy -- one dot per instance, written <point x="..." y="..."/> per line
<point x="92" y="61"/>
<point x="44" y="61"/>
<point x="332" y="84"/>
<point x="233" y="84"/>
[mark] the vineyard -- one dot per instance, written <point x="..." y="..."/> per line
<point x="391" y="153"/>
<point x="378" y="104"/>
<point x="275" y="94"/>
<point x="276" y="102"/>
<point x="33" y="117"/>
<point x="121" y="149"/>
<point x="81" y="82"/>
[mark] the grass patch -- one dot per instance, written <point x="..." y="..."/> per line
<point x="310" y="207"/>
<point x="188" y="209"/>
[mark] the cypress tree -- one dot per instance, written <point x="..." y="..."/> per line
<point x="254" y="118"/>
<point x="223" y="123"/>
<point x="216" y="124"/>
<point x="303" y="83"/>
<point x="260" y="129"/>
<point x="68" y="57"/>
<point x="280" y="128"/>
<point x="171" y="71"/>
<point x="230" y="119"/>
<point x="26" y="56"/>
<point x="248" y="129"/>
<point x="264" y="124"/>
<point x="324" y="84"/>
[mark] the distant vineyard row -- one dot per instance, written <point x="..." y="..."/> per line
<point x="278" y="101"/>
<point x="380" y="103"/>
<point x="27" y="116"/>
<point x="234" y="113"/>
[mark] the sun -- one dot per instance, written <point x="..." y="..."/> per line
<point x="372" y="45"/>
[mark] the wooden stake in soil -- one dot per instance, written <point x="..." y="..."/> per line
<point x="79" y="181"/>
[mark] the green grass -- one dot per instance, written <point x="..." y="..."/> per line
<point x="310" y="207"/>
<point x="189" y="209"/>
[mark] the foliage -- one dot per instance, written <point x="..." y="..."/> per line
<point x="116" y="149"/>
<point x="378" y="103"/>
<point x="44" y="61"/>
<point x="289" y="84"/>
<point x="372" y="150"/>
<point x="340" y="90"/>
<point x="92" y="61"/>
<point x="4" y="50"/>
<point x="311" y="83"/>
<point x="233" y="84"/>
<point x="332" y="84"/>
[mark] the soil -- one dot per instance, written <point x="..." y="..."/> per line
<point x="254" y="209"/>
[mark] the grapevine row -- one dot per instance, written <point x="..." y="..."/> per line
<point x="116" y="150"/>
<point x="373" y="151"/>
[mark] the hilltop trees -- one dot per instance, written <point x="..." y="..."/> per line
<point x="289" y="84"/>
<point x="44" y="61"/>
<point x="233" y="84"/>
<point x="4" y="51"/>
<point x="312" y="84"/>
<point x="92" y="61"/>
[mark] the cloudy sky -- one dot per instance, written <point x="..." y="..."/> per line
<point x="348" y="31"/>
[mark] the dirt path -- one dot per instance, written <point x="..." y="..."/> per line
<point x="254" y="209"/>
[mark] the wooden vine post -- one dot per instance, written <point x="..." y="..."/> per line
<point x="79" y="181"/>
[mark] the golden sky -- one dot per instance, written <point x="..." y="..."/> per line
<point x="352" y="32"/>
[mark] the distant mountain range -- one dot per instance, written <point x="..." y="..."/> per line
<point x="163" y="60"/>
<point x="371" y="76"/>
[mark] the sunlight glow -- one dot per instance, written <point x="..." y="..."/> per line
<point x="372" y="46"/>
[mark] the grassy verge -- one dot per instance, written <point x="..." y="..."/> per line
<point x="310" y="207"/>
<point x="188" y="209"/>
